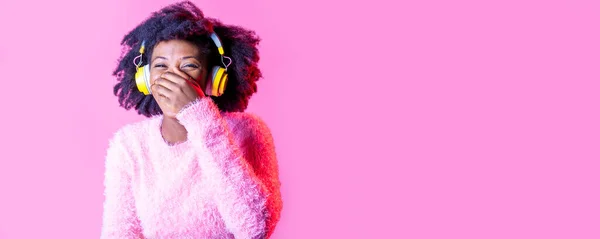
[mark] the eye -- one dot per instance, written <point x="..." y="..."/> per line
<point x="190" y="65"/>
<point x="160" y="65"/>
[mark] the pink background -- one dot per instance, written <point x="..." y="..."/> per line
<point x="398" y="119"/>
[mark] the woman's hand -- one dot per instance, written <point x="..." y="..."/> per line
<point x="173" y="92"/>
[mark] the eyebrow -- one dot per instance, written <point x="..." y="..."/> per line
<point x="183" y="58"/>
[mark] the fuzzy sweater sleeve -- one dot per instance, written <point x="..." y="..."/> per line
<point x="242" y="167"/>
<point x="119" y="217"/>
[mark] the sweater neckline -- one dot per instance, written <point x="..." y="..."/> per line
<point x="161" y="141"/>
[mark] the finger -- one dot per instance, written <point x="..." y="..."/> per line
<point x="198" y="90"/>
<point x="167" y="84"/>
<point x="186" y="85"/>
<point x="177" y="88"/>
<point x="162" y="91"/>
<point x="175" y="78"/>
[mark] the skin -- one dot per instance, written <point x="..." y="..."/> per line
<point x="178" y="73"/>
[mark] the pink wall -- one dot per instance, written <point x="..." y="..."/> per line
<point x="436" y="119"/>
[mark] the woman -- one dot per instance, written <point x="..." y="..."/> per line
<point x="198" y="166"/>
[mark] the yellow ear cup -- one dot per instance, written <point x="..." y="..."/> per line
<point x="223" y="82"/>
<point x="217" y="81"/>
<point x="142" y="79"/>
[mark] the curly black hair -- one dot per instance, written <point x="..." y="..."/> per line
<point x="185" y="21"/>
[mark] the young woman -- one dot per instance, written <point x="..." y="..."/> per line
<point x="198" y="166"/>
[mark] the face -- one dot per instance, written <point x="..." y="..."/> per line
<point x="180" y="57"/>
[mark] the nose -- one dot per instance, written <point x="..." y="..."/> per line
<point x="177" y="71"/>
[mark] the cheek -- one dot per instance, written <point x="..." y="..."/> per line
<point x="200" y="76"/>
<point x="154" y="75"/>
<point x="197" y="74"/>
<point x="153" y="78"/>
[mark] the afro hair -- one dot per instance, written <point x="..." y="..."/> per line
<point x="185" y="21"/>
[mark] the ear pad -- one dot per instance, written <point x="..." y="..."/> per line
<point x="217" y="82"/>
<point x="142" y="79"/>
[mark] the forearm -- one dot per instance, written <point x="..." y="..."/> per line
<point x="240" y="195"/>
<point x="119" y="216"/>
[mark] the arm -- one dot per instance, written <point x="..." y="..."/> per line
<point x="119" y="216"/>
<point x="245" y="175"/>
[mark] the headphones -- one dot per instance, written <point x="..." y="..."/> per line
<point x="217" y="80"/>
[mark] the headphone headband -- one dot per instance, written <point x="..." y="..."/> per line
<point x="217" y="41"/>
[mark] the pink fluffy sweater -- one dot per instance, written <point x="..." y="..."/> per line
<point x="221" y="183"/>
